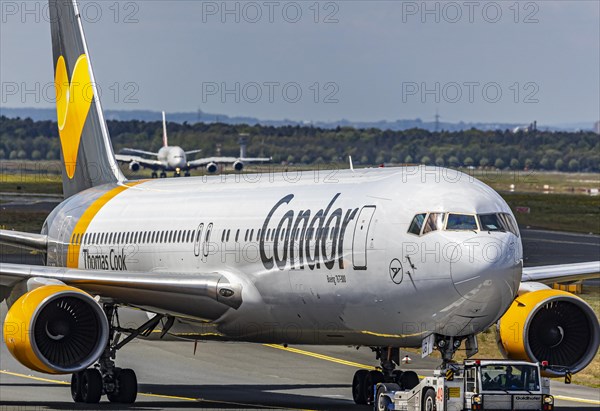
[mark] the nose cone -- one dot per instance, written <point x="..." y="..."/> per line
<point x="486" y="273"/>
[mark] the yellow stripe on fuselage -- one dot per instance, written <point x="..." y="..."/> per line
<point x="86" y="219"/>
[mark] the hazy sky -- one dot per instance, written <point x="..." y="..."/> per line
<point x="502" y="61"/>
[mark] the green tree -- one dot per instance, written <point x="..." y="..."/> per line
<point x="425" y="160"/>
<point x="559" y="164"/>
<point x="439" y="162"/>
<point x="453" y="161"/>
<point x="469" y="162"/>
<point x="574" y="165"/>
<point x="13" y="155"/>
<point x="408" y="159"/>
<point x="484" y="162"/>
<point x="36" y="155"/>
<point x="514" y="164"/>
<point x="499" y="163"/>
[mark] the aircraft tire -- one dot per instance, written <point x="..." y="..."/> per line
<point x="76" y="387"/>
<point x="90" y="386"/>
<point x="126" y="391"/>
<point x="371" y="380"/>
<point x="358" y="390"/>
<point x="409" y="380"/>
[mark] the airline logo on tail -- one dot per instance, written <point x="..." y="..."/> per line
<point x="73" y="101"/>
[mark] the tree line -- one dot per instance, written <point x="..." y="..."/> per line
<point x="562" y="151"/>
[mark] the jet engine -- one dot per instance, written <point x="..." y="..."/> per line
<point x="550" y="325"/>
<point x="211" y="168"/>
<point x="238" y="166"/>
<point x="56" y="329"/>
<point x="134" y="166"/>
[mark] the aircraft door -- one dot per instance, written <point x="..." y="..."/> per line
<point x="198" y="240"/>
<point x="65" y="258"/>
<point x="359" y="242"/>
<point x="206" y="245"/>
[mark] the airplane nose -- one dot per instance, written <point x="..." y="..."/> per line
<point x="486" y="273"/>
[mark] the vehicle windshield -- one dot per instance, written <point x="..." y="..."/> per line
<point x="505" y="377"/>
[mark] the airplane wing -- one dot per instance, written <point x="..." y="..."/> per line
<point x="187" y="153"/>
<point x="136" y="151"/>
<point x="225" y="160"/>
<point x="153" y="289"/>
<point x="549" y="274"/>
<point x="144" y="162"/>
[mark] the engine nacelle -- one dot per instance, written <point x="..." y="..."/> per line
<point x="238" y="166"/>
<point x="211" y="168"/>
<point x="550" y="325"/>
<point x="134" y="166"/>
<point x="56" y="329"/>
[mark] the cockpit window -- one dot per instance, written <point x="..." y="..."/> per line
<point x="425" y="223"/>
<point x="461" y="222"/>
<point x="417" y="223"/>
<point x="509" y="223"/>
<point x="435" y="221"/>
<point x="492" y="222"/>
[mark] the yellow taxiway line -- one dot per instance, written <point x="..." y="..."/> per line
<point x="321" y="356"/>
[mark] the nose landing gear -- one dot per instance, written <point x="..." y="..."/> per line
<point x="365" y="381"/>
<point x="119" y="385"/>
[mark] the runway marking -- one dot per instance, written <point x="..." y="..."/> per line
<point x="146" y="394"/>
<point x="321" y="356"/>
<point x="565" y="398"/>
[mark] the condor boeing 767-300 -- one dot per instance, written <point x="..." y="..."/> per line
<point x="383" y="258"/>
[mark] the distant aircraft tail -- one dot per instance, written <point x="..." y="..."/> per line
<point x="87" y="152"/>
<point x="165" y="142"/>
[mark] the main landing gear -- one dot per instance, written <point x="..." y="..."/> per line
<point x="119" y="385"/>
<point x="364" y="381"/>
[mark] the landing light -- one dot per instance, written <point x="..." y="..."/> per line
<point x="225" y="292"/>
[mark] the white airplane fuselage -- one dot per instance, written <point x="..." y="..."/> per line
<point x="173" y="157"/>
<point x="334" y="262"/>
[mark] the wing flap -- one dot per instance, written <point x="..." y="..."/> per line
<point x="562" y="273"/>
<point x="202" y="295"/>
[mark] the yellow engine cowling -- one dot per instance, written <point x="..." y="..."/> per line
<point x="550" y="325"/>
<point x="56" y="329"/>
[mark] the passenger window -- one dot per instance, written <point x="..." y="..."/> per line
<point x="417" y="223"/>
<point x="251" y="234"/>
<point x="435" y="221"/>
<point x="461" y="222"/>
<point x="237" y="235"/>
<point x="227" y="238"/>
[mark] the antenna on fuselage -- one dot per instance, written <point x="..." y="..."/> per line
<point x="351" y="165"/>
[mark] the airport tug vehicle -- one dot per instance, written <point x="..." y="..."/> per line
<point x="472" y="385"/>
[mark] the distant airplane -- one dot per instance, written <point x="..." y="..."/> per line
<point x="174" y="158"/>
